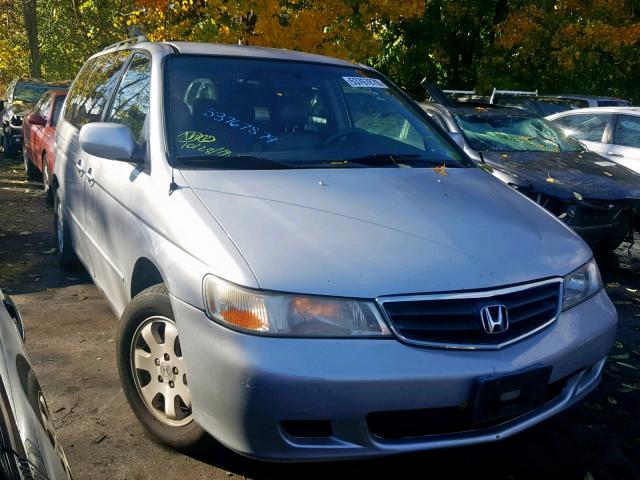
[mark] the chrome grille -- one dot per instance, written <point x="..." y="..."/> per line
<point x="453" y="319"/>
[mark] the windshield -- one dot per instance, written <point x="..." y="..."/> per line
<point x="30" y="92"/>
<point x="514" y="132"/>
<point x="238" y="113"/>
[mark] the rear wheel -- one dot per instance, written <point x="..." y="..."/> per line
<point x="153" y="373"/>
<point x="66" y="256"/>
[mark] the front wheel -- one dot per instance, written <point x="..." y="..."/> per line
<point x="153" y="373"/>
<point x="30" y="169"/>
<point x="615" y="238"/>
<point x="46" y="180"/>
<point x="64" y="249"/>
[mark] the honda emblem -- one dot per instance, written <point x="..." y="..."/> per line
<point x="495" y="318"/>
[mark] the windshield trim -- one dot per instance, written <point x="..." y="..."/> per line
<point x="464" y="160"/>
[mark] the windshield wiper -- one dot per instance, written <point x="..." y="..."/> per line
<point x="381" y="159"/>
<point x="237" y="162"/>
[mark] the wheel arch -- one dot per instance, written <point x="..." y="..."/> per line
<point x="144" y="275"/>
<point x="54" y="182"/>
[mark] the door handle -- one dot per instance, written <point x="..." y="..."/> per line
<point x="613" y="154"/>
<point x="90" y="178"/>
<point x="79" y="167"/>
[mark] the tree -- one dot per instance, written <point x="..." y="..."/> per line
<point x="14" y="56"/>
<point x="347" y="29"/>
<point x="31" y="27"/>
<point x="585" y="46"/>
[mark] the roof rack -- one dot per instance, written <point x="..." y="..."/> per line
<point x="459" y="92"/>
<point x="511" y="92"/>
<point x="128" y="41"/>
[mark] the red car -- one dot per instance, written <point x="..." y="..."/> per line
<point x="38" y="135"/>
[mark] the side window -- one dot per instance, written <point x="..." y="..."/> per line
<point x="45" y="107"/>
<point x="627" y="131"/>
<point x="93" y="87"/>
<point x="589" y="127"/>
<point x="131" y="101"/>
<point x="57" y="106"/>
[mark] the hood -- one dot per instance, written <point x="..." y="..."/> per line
<point x="371" y="232"/>
<point x="17" y="109"/>
<point x="22" y="109"/>
<point x="560" y="174"/>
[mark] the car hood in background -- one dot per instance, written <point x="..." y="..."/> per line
<point x="18" y="109"/>
<point x="371" y="232"/>
<point x="563" y="174"/>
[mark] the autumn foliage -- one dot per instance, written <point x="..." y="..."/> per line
<point x="579" y="46"/>
<point x="347" y="29"/>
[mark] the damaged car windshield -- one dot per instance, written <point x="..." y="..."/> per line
<point x="514" y="132"/>
<point x="238" y="113"/>
<point x="30" y="92"/>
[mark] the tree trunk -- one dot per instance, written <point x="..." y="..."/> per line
<point x="31" y="26"/>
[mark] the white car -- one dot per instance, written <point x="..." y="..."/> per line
<point x="611" y="131"/>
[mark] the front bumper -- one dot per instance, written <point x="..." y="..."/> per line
<point x="13" y="134"/>
<point x="244" y="387"/>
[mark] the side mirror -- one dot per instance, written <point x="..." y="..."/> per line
<point x="35" y="119"/>
<point x="109" y="140"/>
<point x="458" y="138"/>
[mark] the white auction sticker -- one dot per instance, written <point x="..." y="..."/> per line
<point x="364" y="82"/>
<point x="605" y="164"/>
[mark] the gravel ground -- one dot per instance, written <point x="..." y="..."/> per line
<point x="70" y="338"/>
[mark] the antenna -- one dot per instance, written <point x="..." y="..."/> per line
<point x="173" y="186"/>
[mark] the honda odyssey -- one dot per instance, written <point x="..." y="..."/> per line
<point x="306" y="267"/>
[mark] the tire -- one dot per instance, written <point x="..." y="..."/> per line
<point x="147" y="328"/>
<point x="64" y="247"/>
<point x="46" y="180"/>
<point x="615" y="239"/>
<point x="30" y="169"/>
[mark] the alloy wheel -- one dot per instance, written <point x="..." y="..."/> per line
<point x="159" y="371"/>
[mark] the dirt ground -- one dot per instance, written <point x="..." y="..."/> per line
<point x="70" y="339"/>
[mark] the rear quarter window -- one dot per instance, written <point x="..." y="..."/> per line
<point x="93" y="87"/>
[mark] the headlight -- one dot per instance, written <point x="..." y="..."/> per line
<point x="581" y="284"/>
<point x="291" y="315"/>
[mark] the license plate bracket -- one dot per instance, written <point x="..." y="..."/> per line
<point x="502" y="396"/>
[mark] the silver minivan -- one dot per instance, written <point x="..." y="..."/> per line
<point x="306" y="267"/>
